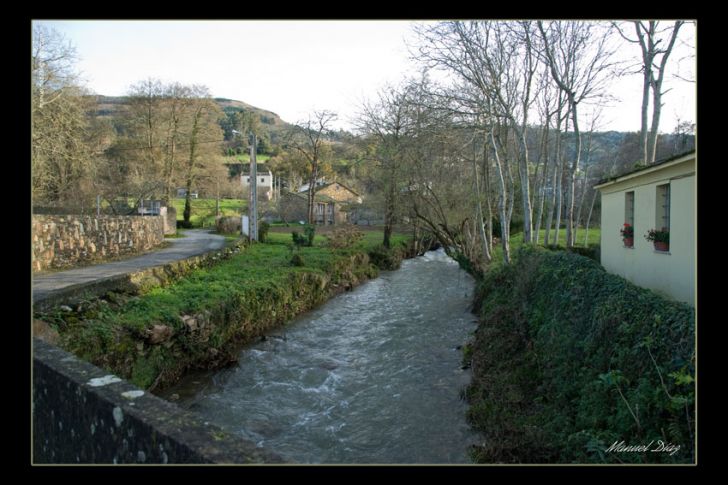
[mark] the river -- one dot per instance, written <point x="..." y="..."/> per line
<point x="372" y="376"/>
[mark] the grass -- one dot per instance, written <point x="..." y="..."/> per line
<point x="517" y="240"/>
<point x="244" y="294"/>
<point x="203" y="210"/>
<point x="259" y="158"/>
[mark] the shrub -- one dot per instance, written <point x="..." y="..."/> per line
<point x="297" y="260"/>
<point x="569" y="359"/>
<point x="298" y="239"/>
<point x="228" y="224"/>
<point x="310" y="231"/>
<point x="344" y="237"/>
<point x="385" y="259"/>
<point x="263" y="228"/>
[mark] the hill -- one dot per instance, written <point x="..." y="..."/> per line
<point x="112" y="107"/>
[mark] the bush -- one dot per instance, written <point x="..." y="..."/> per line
<point x="385" y="259"/>
<point x="184" y="224"/>
<point x="298" y="239"/>
<point x="569" y="359"/>
<point x="228" y="224"/>
<point x="310" y="231"/>
<point x="591" y="252"/>
<point x="263" y="231"/>
<point x="307" y="238"/>
<point x="297" y="260"/>
<point x="344" y="237"/>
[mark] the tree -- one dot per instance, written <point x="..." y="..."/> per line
<point x="388" y="125"/>
<point x="578" y="56"/>
<point x="62" y="157"/>
<point x="650" y="36"/>
<point x="308" y="138"/>
<point x="204" y="137"/>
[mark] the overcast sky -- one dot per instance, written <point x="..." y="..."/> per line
<point x="294" y="67"/>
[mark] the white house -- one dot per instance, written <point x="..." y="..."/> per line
<point x="662" y="195"/>
<point x="265" y="181"/>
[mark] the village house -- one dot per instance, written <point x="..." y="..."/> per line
<point x="660" y="197"/>
<point x="333" y="204"/>
<point x="265" y="181"/>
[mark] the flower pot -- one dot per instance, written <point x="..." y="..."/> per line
<point x="628" y="242"/>
<point x="661" y="246"/>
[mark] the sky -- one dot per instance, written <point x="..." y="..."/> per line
<point x="295" y="67"/>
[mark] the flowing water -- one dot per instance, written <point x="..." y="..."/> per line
<point x="372" y="376"/>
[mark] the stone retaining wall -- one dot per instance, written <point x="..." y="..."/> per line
<point x="61" y="241"/>
<point x="82" y="414"/>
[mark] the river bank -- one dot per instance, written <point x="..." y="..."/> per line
<point x="201" y="320"/>
<point x="569" y="359"/>
<point x="373" y="375"/>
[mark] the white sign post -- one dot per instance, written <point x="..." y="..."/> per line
<point x="245" y="226"/>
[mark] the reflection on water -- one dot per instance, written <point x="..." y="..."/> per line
<point x="372" y="376"/>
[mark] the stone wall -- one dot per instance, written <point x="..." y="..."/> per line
<point x="61" y="241"/>
<point x="82" y="414"/>
<point x="170" y="220"/>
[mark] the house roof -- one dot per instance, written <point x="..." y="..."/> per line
<point x="649" y="168"/>
<point x="323" y="186"/>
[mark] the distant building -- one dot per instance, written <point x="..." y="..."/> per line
<point x="265" y="181"/>
<point x="662" y="195"/>
<point x="182" y="192"/>
<point x="333" y="204"/>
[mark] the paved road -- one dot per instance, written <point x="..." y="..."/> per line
<point x="197" y="241"/>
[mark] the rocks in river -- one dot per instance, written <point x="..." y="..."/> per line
<point x="329" y="365"/>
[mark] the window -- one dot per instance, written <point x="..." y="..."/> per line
<point x="262" y="180"/>
<point x="248" y="179"/>
<point x="629" y="208"/>
<point x="662" y="214"/>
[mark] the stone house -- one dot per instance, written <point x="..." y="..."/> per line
<point x="334" y="202"/>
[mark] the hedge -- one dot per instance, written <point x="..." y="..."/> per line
<point x="569" y="359"/>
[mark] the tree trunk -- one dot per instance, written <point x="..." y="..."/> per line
<point x="502" y="205"/>
<point x="312" y="192"/>
<point x="588" y="220"/>
<point x="572" y="179"/>
<point x="542" y="183"/>
<point x="481" y="227"/>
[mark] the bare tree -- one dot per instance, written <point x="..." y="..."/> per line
<point x="579" y="59"/>
<point x="62" y="153"/>
<point x="308" y="139"/>
<point x="496" y="64"/>
<point x="204" y="138"/>
<point x="650" y="36"/>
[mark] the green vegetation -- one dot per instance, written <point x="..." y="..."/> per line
<point x="203" y="210"/>
<point x="592" y="250"/>
<point x="569" y="359"/>
<point x="228" y="304"/>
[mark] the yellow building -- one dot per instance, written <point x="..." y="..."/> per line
<point x="660" y="196"/>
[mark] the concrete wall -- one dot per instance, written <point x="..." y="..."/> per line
<point x="63" y="241"/>
<point x="81" y="414"/>
<point x="670" y="273"/>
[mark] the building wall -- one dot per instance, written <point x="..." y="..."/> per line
<point x="64" y="241"/>
<point x="670" y="273"/>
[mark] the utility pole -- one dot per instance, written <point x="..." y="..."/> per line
<point x="253" y="213"/>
